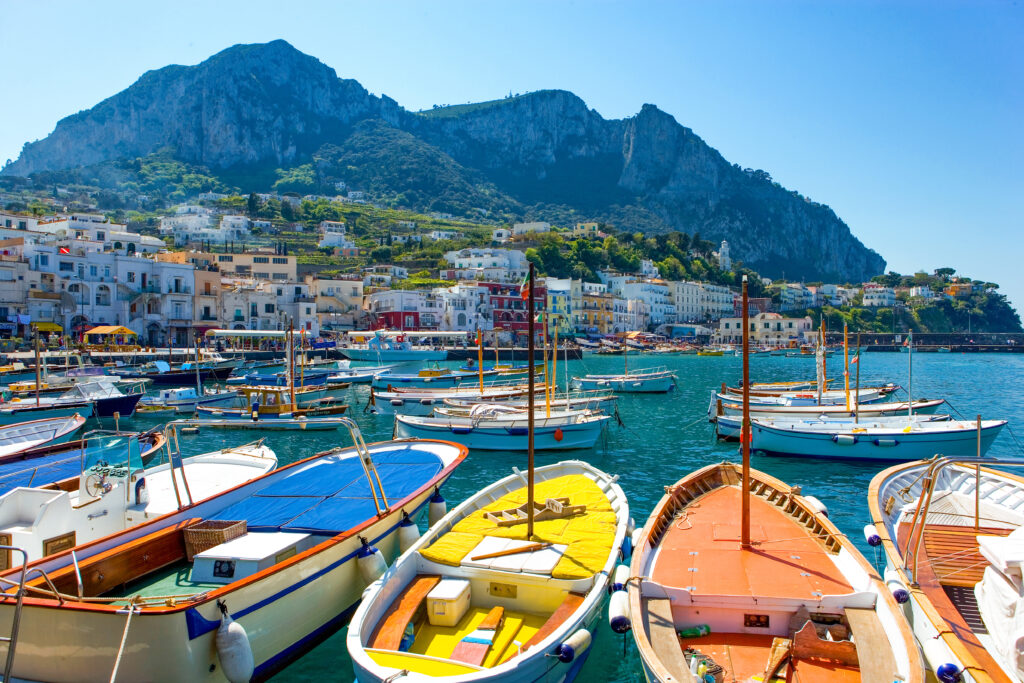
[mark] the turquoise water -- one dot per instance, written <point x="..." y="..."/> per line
<point x="667" y="436"/>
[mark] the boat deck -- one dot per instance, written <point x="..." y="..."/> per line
<point x="739" y="654"/>
<point x="174" y="580"/>
<point x="701" y="552"/>
<point x="516" y="630"/>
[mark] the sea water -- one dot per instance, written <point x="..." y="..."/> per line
<point x="666" y="436"/>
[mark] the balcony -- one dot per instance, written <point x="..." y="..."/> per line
<point x="179" y="290"/>
<point x="239" y="318"/>
<point x="40" y="294"/>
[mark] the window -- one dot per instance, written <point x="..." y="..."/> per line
<point x="260" y="259"/>
<point x="66" y="266"/>
<point x="225" y="257"/>
<point x="44" y="259"/>
<point x="22" y="225"/>
<point x="268" y="308"/>
<point x="280" y="261"/>
<point x="106" y="271"/>
<point x="93" y="271"/>
<point x="101" y="236"/>
<point x="131" y="276"/>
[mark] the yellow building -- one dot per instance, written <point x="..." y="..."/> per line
<point x="585" y="230"/>
<point x="598" y="312"/>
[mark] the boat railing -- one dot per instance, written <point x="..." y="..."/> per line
<point x="369" y="469"/>
<point x="928" y="480"/>
<point x="19" y="596"/>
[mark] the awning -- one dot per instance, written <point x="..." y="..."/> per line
<point x="110" y="329"/>
<point x="47" y="327"/>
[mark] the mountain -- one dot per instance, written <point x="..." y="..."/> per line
<point x="539" y="155"/>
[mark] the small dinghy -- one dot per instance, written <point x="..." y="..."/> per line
<point x="18" y="438"/>
<point x="646" y="381"/>
<point x="493" y="429"/>
<point x="482" y="597"/>
<point x="185" y="399"/>
<point x="423" y="401"/>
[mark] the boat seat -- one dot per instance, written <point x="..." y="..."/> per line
<point x="874" y="651"/>
<point x="1005" y="553"/>
<point x="391" y="628"/>
<point x="661" y="631"/>
<point x="807" y="645"/>
<point x="565" y="610"/>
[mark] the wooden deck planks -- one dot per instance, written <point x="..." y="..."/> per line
<point x="874" y="652"/>
<point x="389" y="632"/>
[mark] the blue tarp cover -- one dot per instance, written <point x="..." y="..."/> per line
<point x="331" y="494"/>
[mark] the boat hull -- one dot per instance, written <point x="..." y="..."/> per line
<point x="639" y="385"/>
<point x="392" y="355"/>
<point x="14" y="415"/>
<point x="545" y="438"/>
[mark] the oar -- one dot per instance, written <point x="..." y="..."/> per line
<point x="512" y="551"/>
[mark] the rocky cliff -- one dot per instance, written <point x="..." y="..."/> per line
<point x="271" y="105"/>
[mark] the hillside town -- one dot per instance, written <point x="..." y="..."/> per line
<point x="64" y="274"/>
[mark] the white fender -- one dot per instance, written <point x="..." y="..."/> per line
<point x="371" y="563"/>
<point x="576" y="643"/>
<point x="620" y="576"/>
<point x="233" y="649"/>
<point x="938" y="658"/>
<point x="438" y="508"/>
<point x="816" y="505"/>
<point x="896" y="586"/>
<point x="871" y="535"/>
<point x="637" y="539"/>
<point x="618" y="612"/>
<point x="408" y="534"/>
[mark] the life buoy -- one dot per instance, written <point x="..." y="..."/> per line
<point x="400" y="338"/>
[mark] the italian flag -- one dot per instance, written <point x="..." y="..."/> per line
<point x="524" y="289"/>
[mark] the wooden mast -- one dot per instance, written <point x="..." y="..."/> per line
<point x="291" y="365"/>
<point x="856" y="398"/>
<point x="480" y="358"/>
<point x="530" y="409"/>
<point x="35" y="345"/>
<point x="554" y="368"/>
<point x="846" y="363"/>
<point x="745" y="427"/>
<point x="547" y="383"/>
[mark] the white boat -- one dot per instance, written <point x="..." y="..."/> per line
<point x="274" y="424"/>
<point x="428" y="378"/>
<point x="508" y="432"/>
<point x="804" y="398"/>
<point x="359" y="375"/>
<point x="728" y="427"/>
<point x="867" y="410"/>
<point x="415" y="402"/>
<point x="912" y="440"/>
<point x="590" y="400"/>
<point x="20" y="437"/>
<point x="292" y="577"/>
<point x="796" y="600"/>
<point x="951" y="530"/>
<point x="185" y="399"/>
<point x="393" y="348"/>
<point x="444" y="612"/>
<point x="115" y="491"/>
<point x="645" y="381"/>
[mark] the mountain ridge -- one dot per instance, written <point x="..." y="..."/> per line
<point x="534" y="155"/>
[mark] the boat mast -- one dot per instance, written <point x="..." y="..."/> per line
<point x="291" y="365"/>
<point x="910" y="374"/>
<point x="480" y="359"/>
<point x="199" y="381"/>
<point x="530" y="401"/>
<point x="38" y="379"/>
<point x="554" y="365"/>
<point x="846" y="362"/>
<point x="856" y="413"/>
<point x="745" y="427"/>
<point x="547" y="377"/>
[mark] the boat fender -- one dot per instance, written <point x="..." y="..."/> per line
<point x="141" y="492"/>
<point x="618" y="612"/>
<point x="886" y="442"/>
<point x="438" y="508"/>
<point x="896" y="586"/>
<point x="620" y="577"/>
<point x="233" y="649"/>
<point x="577" y="642"/>
<point x="844" y="439"/>
<point x="871" y="535"/>
<point x="558" y="434"/>
<point x="370" y="561"/>
<point x="637" y="538"/>
<point x="397" y="402"/>
<point x="937" y="655"/>
<point x="408" y="533"/>
<point x="816" y="505"/>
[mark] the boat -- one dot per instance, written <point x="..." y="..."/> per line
<point x="274" y="402"/>
<point x="728" y="427"/>
<point x="704" y="606"/>
<point x="429" y="377"/>
<point x="494" y="430"/>
<point x="116" y="491"/>
<point x="434" y="614"/>
<point x="358" y="375"/>
<point x="866" y="393"/>
<point x="300" y="423"/>
<point x="592" y="400"/>
<point x="643" y="381"/>
<point x="801" y="398"/>
<point x="160" y="373"/>
<point x="23" y="436"/>
<point x="278" y="563"/>
<point x="921" y="406"/>
<point x="307" y="378"/>
<point x="905" y="439"/>
<point x="381" y="350"/>
<point x="944" y="349"/>
<point x="185" y="399"/>
<point x="18" y="411"/>
<point x="950" y="529"/>
<point x="107" y="399"/>
<point x="16" y="372"/>
<point x="737" y="576"/>
<point x="423" y="402"/>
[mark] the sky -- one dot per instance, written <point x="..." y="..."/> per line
<point x="904" y="117"/>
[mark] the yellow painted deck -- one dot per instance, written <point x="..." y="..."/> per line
<point x="440" y="641"/>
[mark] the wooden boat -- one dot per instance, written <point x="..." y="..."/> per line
<point x="17" y="412"/>
<point x="951" y="531"/>
<point x="727" y="427"/>
<point x="106" y="398"/>
<point x="299" y="423"/>
<point x="24" y="436"/>
<point x="290" y="580"/>
<point x="565" y="429"/>
<point x="656" y="380"/>
<point x="160" y="373"/>
<point x="591" y="400"/>
<point x="185" y="399"/>
<point x="866" y="410"/>
<point x="429" y="377"/>
<point x="115" y="491"/>
<point x="799" y="597"/>
<point x="413" y="402"/>
<point x="358" y="375"/>
<point x="902" y="438"/>
<point x="538" y="626"/>
<point x="271" y="402"/>
<point x="805" y="398"/>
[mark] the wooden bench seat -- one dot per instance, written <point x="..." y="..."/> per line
<point x="874" y="651"/>
<point x="565" y="610"/>
<point x="390" y="630"/>
<point x="661" y="631"/>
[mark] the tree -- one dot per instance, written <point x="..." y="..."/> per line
<point x="945" y="273"/>
<point x="381" y="254"/>
<point x="252" y="205"/>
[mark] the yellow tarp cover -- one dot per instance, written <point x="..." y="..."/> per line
<point x="589" y="536"/>
<point x="48" y="327"/>
<point x="110" y="329"/>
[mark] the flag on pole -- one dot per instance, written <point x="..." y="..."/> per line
<point x="524" y="289"/>
<point x="856" y="358"/>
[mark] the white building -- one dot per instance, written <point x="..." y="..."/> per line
<point x="686" y="297"/>
<point x="922" y="292"/>
<point x="536" y="226"/>
<point x="501" y="235"/>
<point x="511" y="261"/>
<point x="795" y="295"/>
<point x="96" y="228"/>
<point x="876" y="295"/>
<point x="657" y="296"/>
<point x="765" y="329"/>
<point x="715" y="301"/>
<point x="334" y="234"/>
<point x="466" y="307"/>
<point x="724" y="262"/>
<point x="444" y="235"/>
<point x="186" y="220"/>
<point x="648" y="269"/>
<point x="296" y="305"/>
<point x="17" y="221"/>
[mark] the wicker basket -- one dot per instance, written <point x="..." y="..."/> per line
<point x="210" y="533"/>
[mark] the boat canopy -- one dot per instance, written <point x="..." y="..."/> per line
<point x="254" y="334"/>
<point x="95" y="335"/>
<point x="420" y="334"/>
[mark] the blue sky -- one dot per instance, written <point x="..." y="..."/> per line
<point x="904" y="117"/>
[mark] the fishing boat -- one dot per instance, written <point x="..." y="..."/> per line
<point x="299" y="423"/>
<point x="423" y="402"/>
<point x="728" y="427"/>
<point x="493" y="429"/>
<point x="60" y="464"/>
<point x="243" y="582"/>
<point x="16" y="372"/>
<point x="710" y="352"/>
<point x="24" y="410"/>
<point x="642" y="381"/>
<point x="802" y="398"/>
<point x="920" y="406"/>
<point x="737" y="576"/>
<point x="23" y="436"/>
<point x="106" y="399"/>
<point x="358" y="375"/>
<point x="866" y="393"/>
<point x="160" y="373"/>
<point x="392" y="347"/>
<point x="428" y="377"/>
<point x="185" y="399"/>
<point x="950" y="528"/>
<point x="270" y="403"/>
<point x="483" y="597"/>
<point x="592" y="400"/>
<point x="115" y="491"/>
